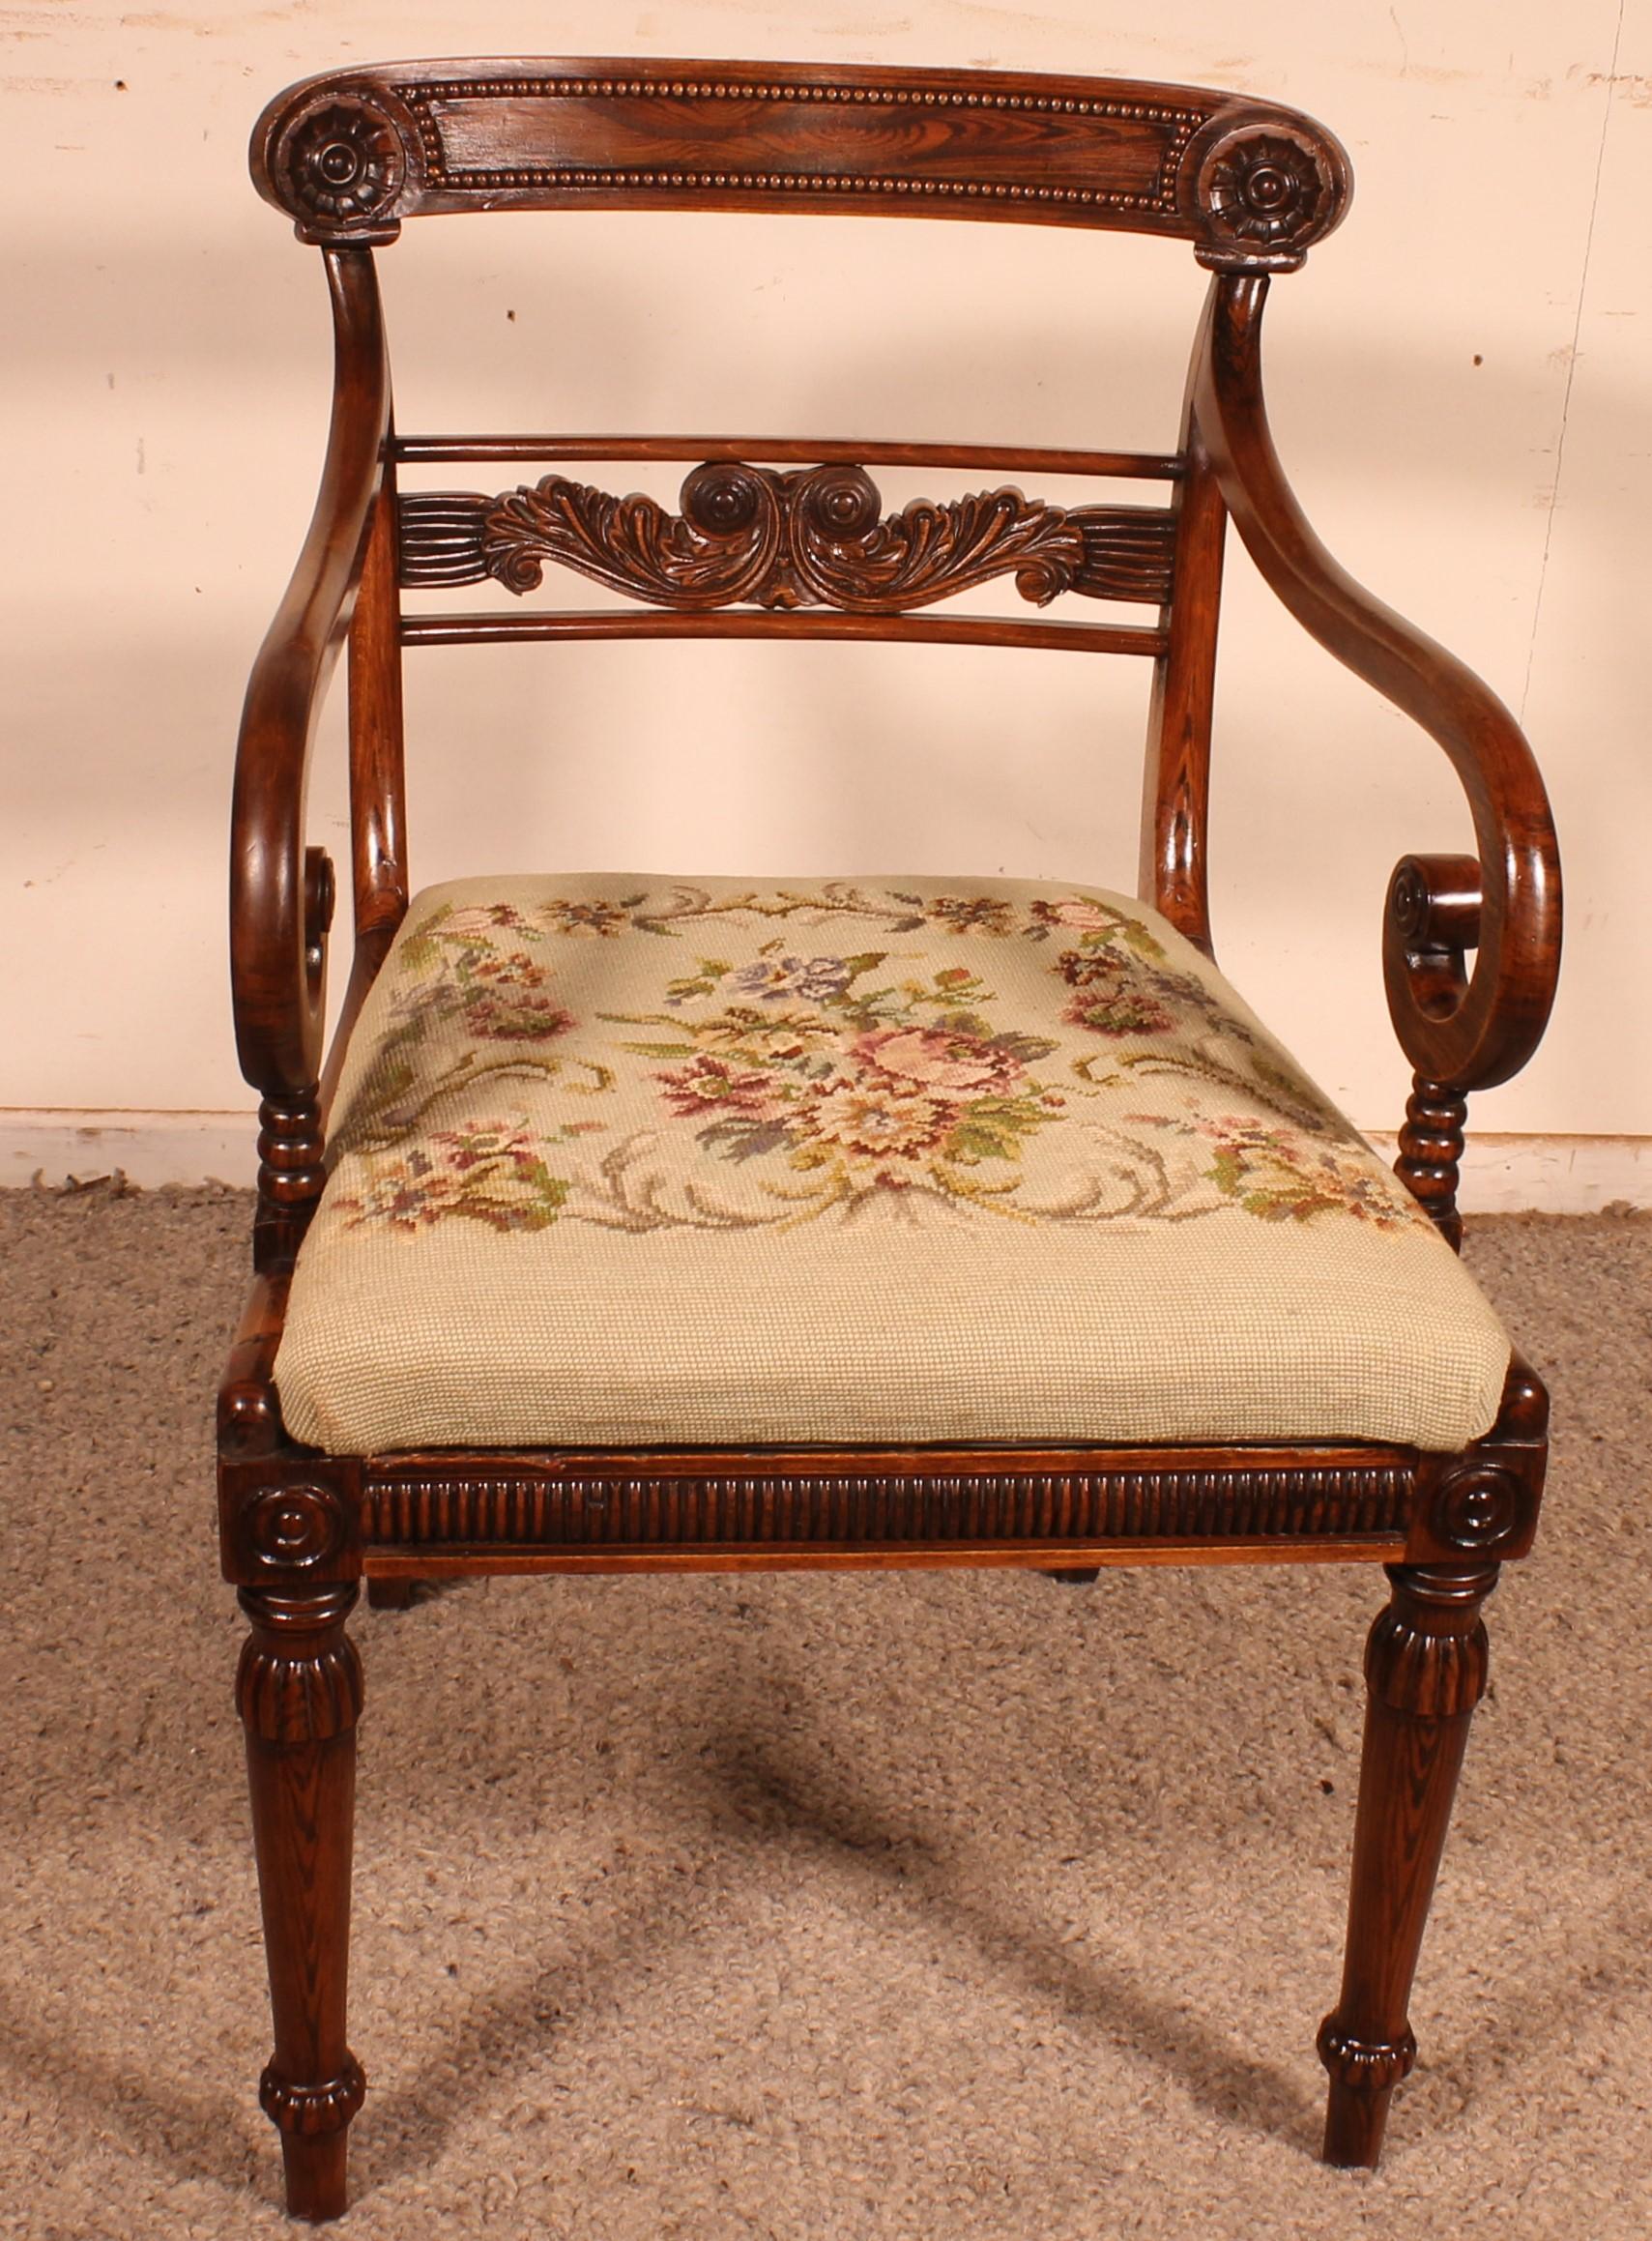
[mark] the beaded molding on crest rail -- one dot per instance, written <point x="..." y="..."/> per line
<point x="350" y="155"/>
<point x="1184" y="124"/>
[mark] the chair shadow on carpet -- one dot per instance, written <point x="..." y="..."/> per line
<point x="742" y="1791"/>
<point x="193" y="2132"/>
<point x="735" y="1791"/>
<point x="1222" y="2078"/>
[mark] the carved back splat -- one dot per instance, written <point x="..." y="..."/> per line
<point x="749" y="535"/>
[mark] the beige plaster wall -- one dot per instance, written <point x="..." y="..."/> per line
<point x="1459" y="384"/>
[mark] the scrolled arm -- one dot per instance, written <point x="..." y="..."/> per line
<point x="280" y="893"/>
<point x="1468" y="1029"/>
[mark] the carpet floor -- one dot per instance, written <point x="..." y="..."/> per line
<point x="920" y="1908"/>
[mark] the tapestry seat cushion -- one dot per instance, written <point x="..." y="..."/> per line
<point x="637" y="1161"/>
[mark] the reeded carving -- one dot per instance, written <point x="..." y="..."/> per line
<point x="817" y="537"/>
<point x="1267" y="191"/>
<point x="1366" y="2065"/>
<point x="308" y="2110"/>
<point x="300" y="1677"/>
<point x="341" y="165"/>
<point x="411" y="1508"/>
<point x="1428" y="1655"/>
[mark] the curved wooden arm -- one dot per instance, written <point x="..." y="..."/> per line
<point x="280" y="903"/>
<point x="1467" y="1030"/>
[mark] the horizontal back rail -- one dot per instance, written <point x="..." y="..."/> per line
<point x="496" y="630"/>
<point x="779" y="537"/>
<point x="351" y="154"/>
<point x="789" y="451"/>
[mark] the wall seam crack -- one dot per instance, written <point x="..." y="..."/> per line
<point x="1571" y="361"/>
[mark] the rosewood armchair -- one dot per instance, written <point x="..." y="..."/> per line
<point x="640" y="1222"/>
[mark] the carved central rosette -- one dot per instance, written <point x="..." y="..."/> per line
<point x="759" y="536"/>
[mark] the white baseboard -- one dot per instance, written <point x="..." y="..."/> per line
<point x="1501" y="1175"/>
<point x="1551" y="1175"/>
<point x="149" y="1148"/>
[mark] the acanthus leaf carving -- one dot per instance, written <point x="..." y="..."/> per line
<point x="814" y="537"/>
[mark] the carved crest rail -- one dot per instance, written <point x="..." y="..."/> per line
<point x="767" y="537"/>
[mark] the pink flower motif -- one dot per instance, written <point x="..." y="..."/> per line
<point x="708" y="1085"/>
<point x="478" y="922"/>
<point x="513" y="1015"/>
<point x="1075" y="911"/>
<point x="517" y="971"/>
<point x="882" y="1120"/>
<point x="959" y="1064"/>
<point x="1119" y="1012"/>
<point x="572" y="917"/>
<point x="404" y="1193"/>
<point x="475" y="1141"/>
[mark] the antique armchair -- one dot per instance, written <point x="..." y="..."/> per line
<point x="639" y="1222"/>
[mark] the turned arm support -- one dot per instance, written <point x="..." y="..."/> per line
<point x="1461" y="1030"/>
<point x="281" y="894"/>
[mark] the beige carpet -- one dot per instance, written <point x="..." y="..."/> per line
<point x="924" y="1908"/>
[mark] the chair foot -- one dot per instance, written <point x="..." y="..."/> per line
<point x="315" y="2176"/>
<point x="390" y="1594"/>
<point x="1425" y="1668"/>
<point x="1363" y="2079"/>
<point x="299" y="1693"/>
<point x="1076" y="1575"/>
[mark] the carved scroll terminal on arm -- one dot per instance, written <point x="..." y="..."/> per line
<point x="1460" y="1030"/>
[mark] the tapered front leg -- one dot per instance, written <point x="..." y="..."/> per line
<point x="299" y="1693"/>
<point x="1425" y="1668"/>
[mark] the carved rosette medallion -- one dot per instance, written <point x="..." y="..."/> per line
<point x="340" y="166"/>
<point x="1265" y="192"/>
<point x="296" y="1529"/>
<point x="1410" y="902"/>
<point x="1477" y="1508"/>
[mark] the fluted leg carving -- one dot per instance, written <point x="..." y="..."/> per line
<point x="1431" y="1154"/>
<point x="298" y="1693"/>
<point x="1424" y="1670"/>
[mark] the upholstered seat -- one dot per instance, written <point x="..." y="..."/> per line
<point x="639" y="1159"/>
